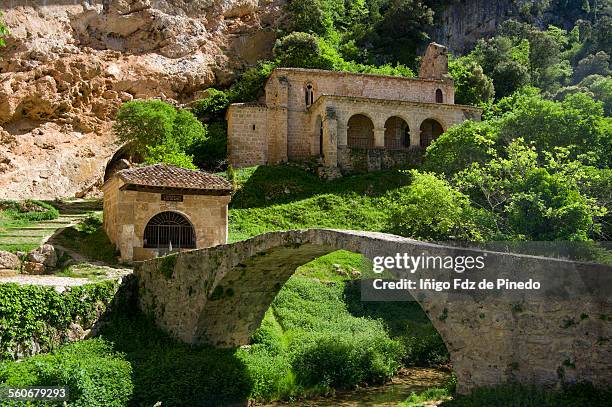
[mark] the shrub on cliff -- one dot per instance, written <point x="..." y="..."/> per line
<point x="3" y="31"/>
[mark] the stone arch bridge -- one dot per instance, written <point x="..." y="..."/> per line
<point x="219" y="296"/>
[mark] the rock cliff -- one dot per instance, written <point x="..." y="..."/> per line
<point x="68" y="65"/>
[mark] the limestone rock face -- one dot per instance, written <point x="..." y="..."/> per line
<point x="9" y="261"/>
<point x="68" y="66"/>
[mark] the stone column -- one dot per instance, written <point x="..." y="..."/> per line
<point x="342" y="133"/>
<point x="330" y="142"/>
<point x="415" y="132"/>
<point x="379" y="137"/>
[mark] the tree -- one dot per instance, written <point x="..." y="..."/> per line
<point x="158" y="131"/>
<point x="577" y="122"/>
<point x="593" y="64"/>
<point x="459" y="147"/>
<point x="431" y="209"/>
<point x="532" y="197"/>
<point x="501" y="61"/>
<point x="301" y="50"/>
<point x="472" y="86"/>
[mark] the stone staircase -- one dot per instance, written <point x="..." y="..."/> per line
<point x="71" y="213"/>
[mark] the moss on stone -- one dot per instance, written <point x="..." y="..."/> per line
<point x="167" y="264"/>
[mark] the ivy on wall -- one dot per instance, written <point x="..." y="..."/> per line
<point x="36" y="319"/>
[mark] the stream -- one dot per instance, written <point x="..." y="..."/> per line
<point x="408" y="380"/>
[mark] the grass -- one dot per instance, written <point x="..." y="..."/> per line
<point x="421" y="399"/>
<point x="89" y="239"/>
<point x="19" y="214"/>
<point x="286" y="197"/>
<point x="84" y="270"/>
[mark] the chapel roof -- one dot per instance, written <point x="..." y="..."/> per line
<point x="160" y="176"/>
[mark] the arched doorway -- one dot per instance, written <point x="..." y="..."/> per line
<point x="360" y="132"/>
<point x="121" y="160"/>
<point x="430" y="130"/>
<point x="170" y="231"/>
<point x="397" y="133"/>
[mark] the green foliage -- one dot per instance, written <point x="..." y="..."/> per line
<point x="89" y="239"/>
<point x="430" y="209"/>
<point x="420" y="399"/>
<point x="534" y="201"/>
<point x="158" y="131"/>
<point x="300" y="50"/>
<point x="472" y="86"/>
<point x="250" y="86"/>
<point x="287" y="197"/>
<point x="38" y="313"/>
<point x="327" y="345"/>
<point x="167" y="264"/>
<point x="3" y="31"/>
<point x="27" y="211"/>
<point x="212" y="105"/>
<point x="470" y="142"/>
<point x="577" y="122"/>
<point x="95" y="375"/>
<point x="501" y="61"/>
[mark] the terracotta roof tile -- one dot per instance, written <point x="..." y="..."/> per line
<point x="168" y="176"/>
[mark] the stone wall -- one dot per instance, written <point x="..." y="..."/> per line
<point x="130" y="211"/>
<point x="219" y="296"/>
<point x="247" y="129"/>
<point x="373" y="159"/>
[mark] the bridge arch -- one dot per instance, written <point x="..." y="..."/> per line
<point x="219" y="295"/>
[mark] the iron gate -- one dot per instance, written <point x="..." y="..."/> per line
<point x="170" y="231"/>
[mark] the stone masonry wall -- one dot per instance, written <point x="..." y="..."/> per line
<point x="247" y="129"/>
<point x="348" y="84"/>
<point x="219" y="296"/>
<point x="130" y="211"/>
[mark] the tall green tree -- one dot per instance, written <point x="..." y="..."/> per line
<point x="158" y="132"/>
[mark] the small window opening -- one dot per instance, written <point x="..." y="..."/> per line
<point x="439" y="96"/>
<point x="253" y="127"/>
<point x="309" y="95"/>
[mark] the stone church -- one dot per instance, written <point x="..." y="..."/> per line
<point x="346" y="121"/>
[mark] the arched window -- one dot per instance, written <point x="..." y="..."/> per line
<point x="169" y="230"/>
<point x="309" y="95"/>
<point x="439" y="96"/>
<point x="430" y="130"/>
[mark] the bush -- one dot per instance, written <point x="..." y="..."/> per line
<point x="346" y="359"/>
<point x="94" y="374"/>
<point x="462" y="145"/>
<point x="29" y="210"/>
<point x="301" y="50"/>
<point x="38" y="314"/>
<point x="431" y="209"/>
